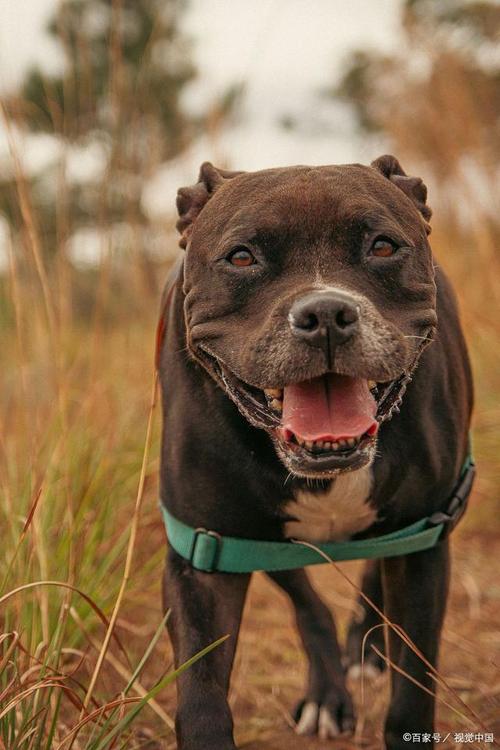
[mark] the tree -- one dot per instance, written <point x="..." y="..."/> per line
<point x="126" y="64"/>
<point x="122" y="58"/>
<point x="438" y="97"/>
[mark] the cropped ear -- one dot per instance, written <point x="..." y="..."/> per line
<point x="413" y="187"/>
<point x="190" y="200"/>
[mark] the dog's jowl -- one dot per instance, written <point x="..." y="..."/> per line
<point x="315" y="387"/>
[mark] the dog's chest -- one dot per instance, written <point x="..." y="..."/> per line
<point x="336" y="514"/>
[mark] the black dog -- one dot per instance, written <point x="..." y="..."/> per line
<point x="307" y="298"/>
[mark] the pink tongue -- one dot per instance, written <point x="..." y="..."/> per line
<point x="333" y="407"/>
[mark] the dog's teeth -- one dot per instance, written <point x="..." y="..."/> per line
<point x="276" y="405"/>
<point x="372" y="384"/>
<point x="325" y="446"/>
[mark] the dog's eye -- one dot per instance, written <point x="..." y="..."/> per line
<point x="241" y="256"/>
<point x="383" y="248"/>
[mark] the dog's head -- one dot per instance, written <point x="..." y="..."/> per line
<point x="309" y="295"/>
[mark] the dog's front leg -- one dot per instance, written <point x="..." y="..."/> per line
<point x="204" y="607"/>
<point x="327" y="707"/>
<point x="415" y="591"/>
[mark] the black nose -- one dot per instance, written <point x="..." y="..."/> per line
<point x="325" y="318"/>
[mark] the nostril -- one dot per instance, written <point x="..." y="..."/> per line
<point x="346" y="317"/>
<point x="304" y="321"/>
<point x="309" y="322"/>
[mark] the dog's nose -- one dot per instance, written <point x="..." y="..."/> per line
<point x="324" y="318"/>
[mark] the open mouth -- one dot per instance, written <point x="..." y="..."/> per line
<point x="326" y="417"/>
<point x="319" y="426"/>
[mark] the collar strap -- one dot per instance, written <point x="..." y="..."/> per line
<point x="209" y="551"/>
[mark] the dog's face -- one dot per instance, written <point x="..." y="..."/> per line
<point x="309" y="294"/>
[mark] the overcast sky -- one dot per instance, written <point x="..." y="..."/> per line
<point x="285" y="51"/>
<point x="299" y="41"/>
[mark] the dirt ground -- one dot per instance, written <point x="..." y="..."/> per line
<point x="269" y="672"/>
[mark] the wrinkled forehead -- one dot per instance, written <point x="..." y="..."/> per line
<point x="305" y="202"/>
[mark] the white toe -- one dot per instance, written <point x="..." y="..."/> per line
<point x="368" y="672"/>
<point x="354" y="671"/>
<point x="327" y="726"/>
<point x="308" y="719"/>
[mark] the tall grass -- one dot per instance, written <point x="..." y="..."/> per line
<point x="78" y="465"/>
<point x="73" y="433"/>
<point x="74" y="459"/>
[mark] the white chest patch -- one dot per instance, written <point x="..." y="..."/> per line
<point x="336" y="514"/>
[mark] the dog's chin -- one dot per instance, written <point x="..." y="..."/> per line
<point x="318" y="459"/>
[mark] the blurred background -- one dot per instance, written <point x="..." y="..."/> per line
<point x="106" y="108"/>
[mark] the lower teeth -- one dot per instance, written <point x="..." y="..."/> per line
<point x="320" y="446"/>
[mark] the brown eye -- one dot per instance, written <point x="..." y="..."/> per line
<point x="383" y="248"/>
<point x="241" y="257"/>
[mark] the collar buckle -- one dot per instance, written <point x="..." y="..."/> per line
<point x="458" y="502"/>
<point x="205" y="550"/>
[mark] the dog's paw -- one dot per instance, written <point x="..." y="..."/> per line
<point x="373" y="664"/>
<point x="329" y="717"/>
<point x="369" y="671"/>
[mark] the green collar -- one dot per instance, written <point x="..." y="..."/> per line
<point x="209" y="551"/>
